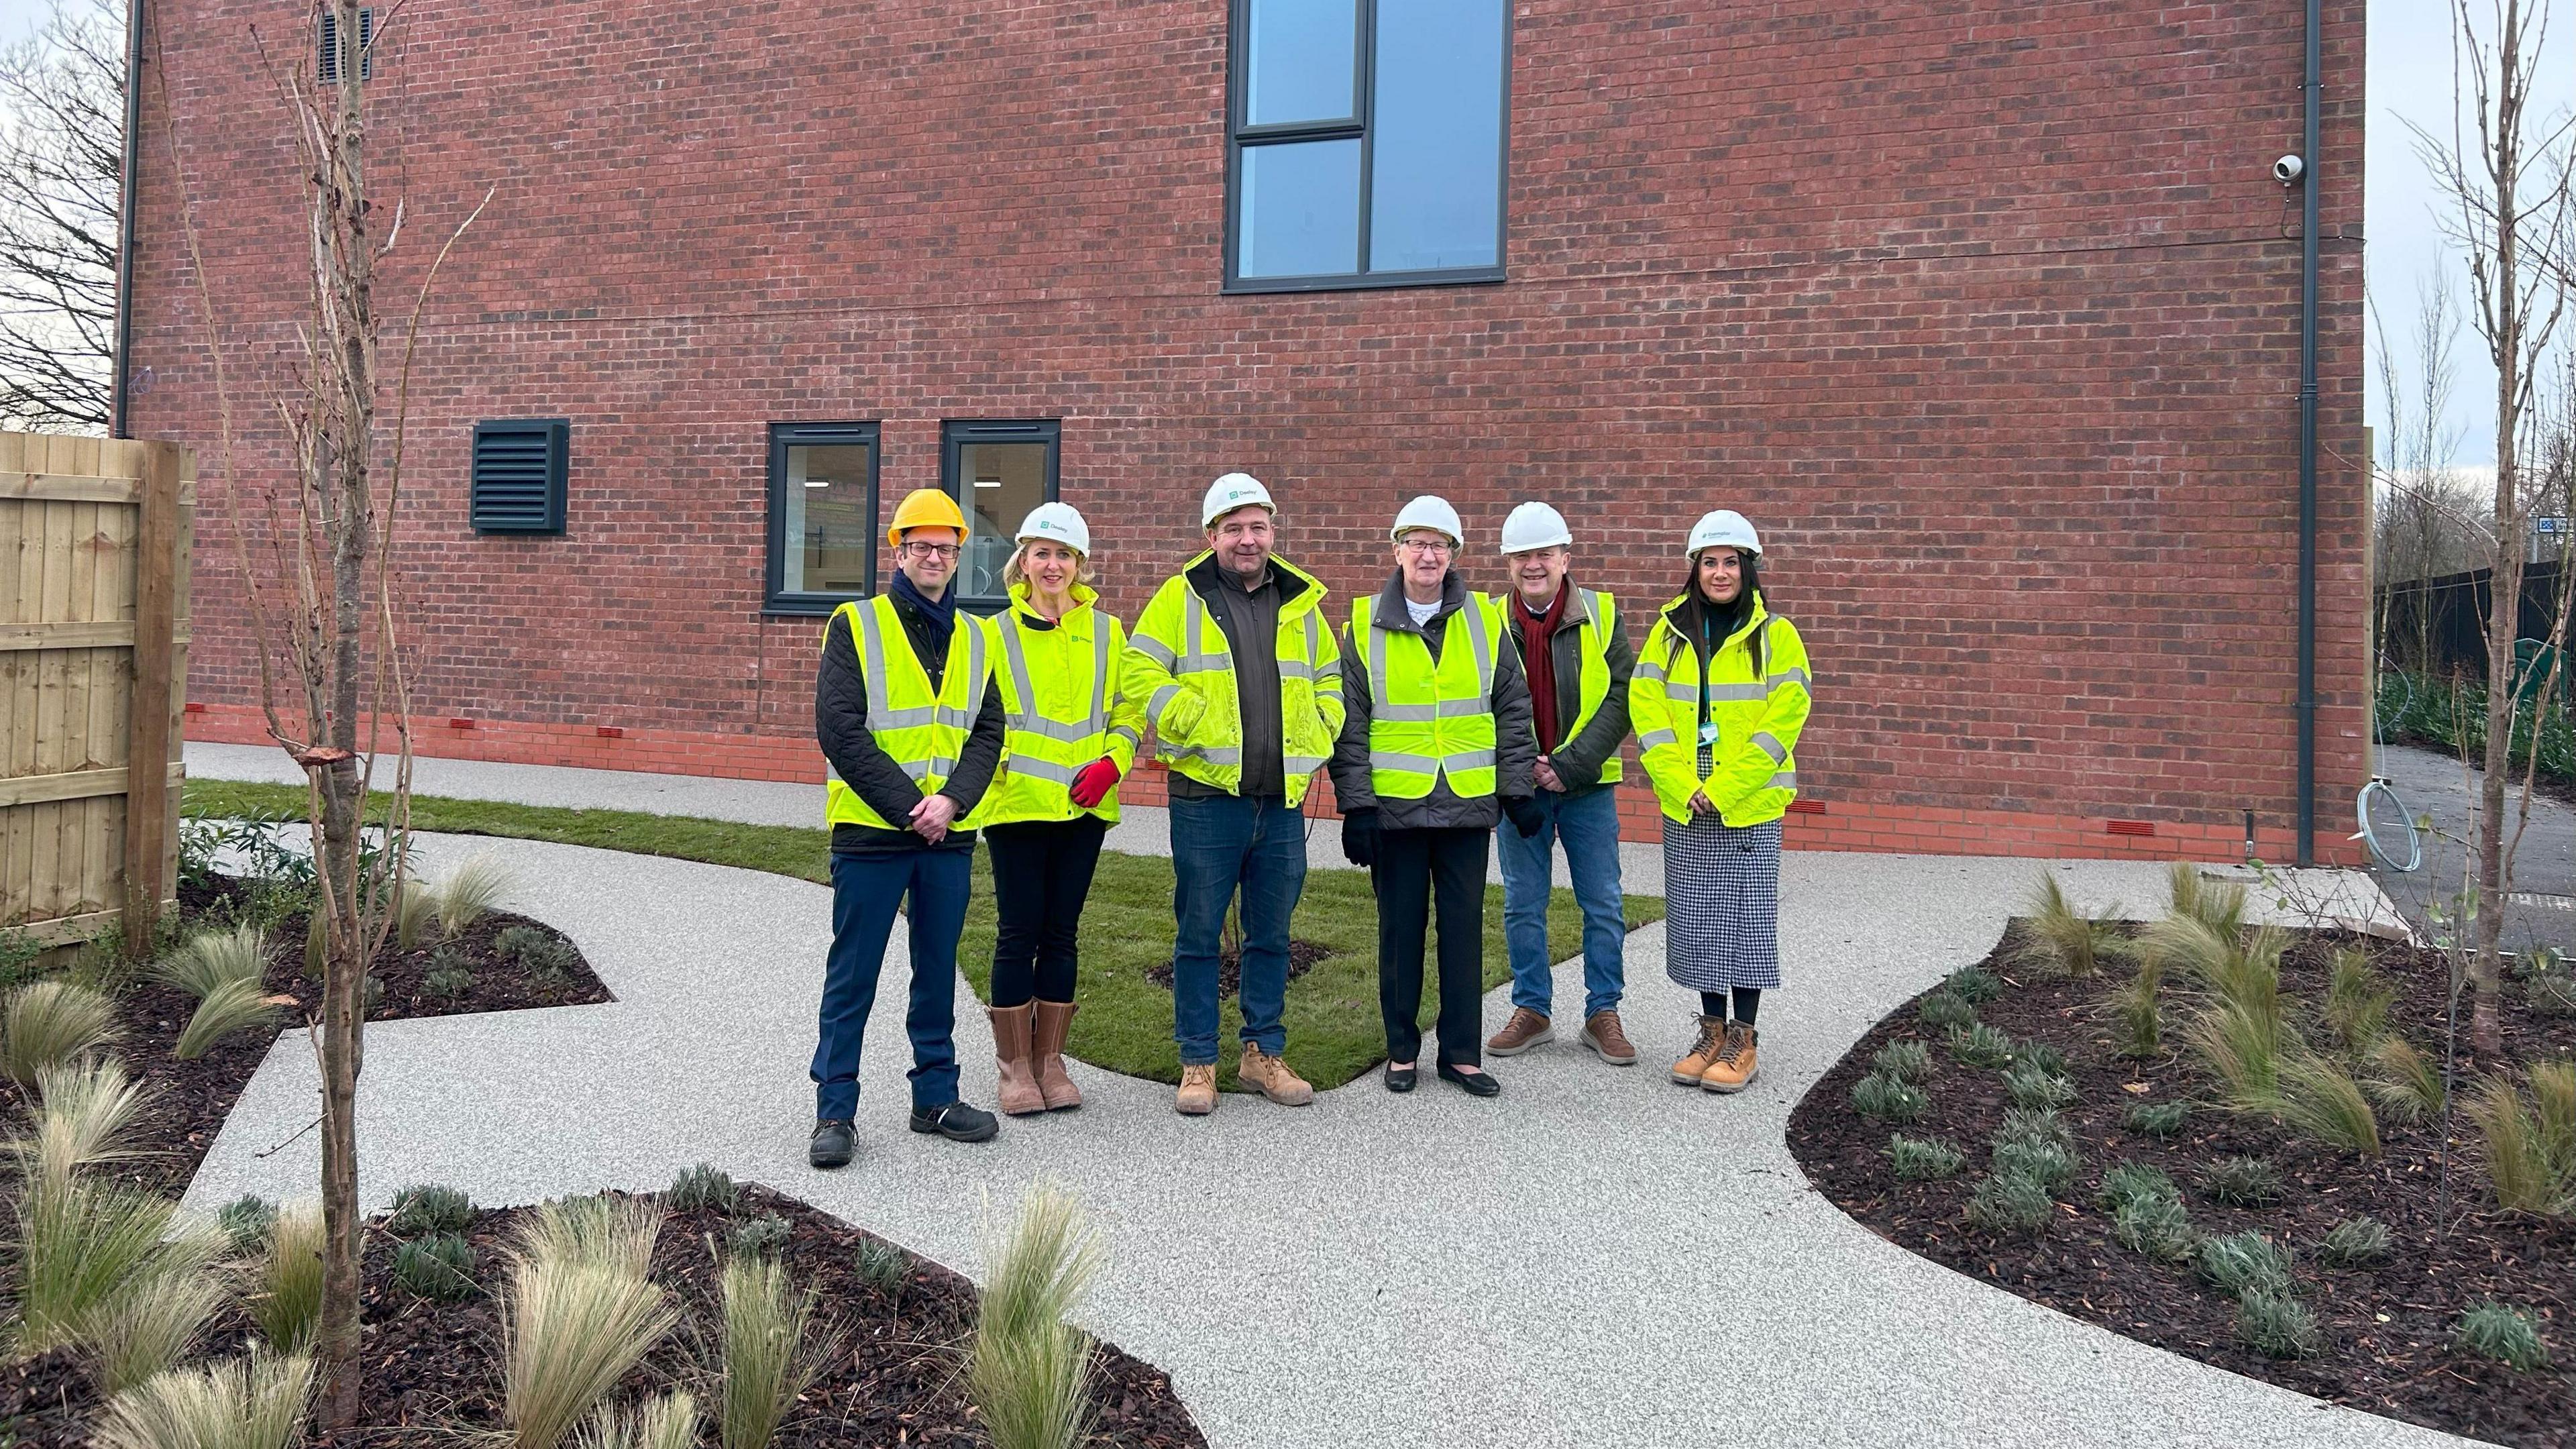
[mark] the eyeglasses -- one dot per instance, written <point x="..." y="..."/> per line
<point x="931" y="550"/>
<point x="1431" y="547"/>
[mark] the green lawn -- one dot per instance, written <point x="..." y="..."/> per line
<point x="1126" y="1021"/>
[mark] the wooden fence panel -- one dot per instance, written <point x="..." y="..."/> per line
<point x="94" y="537"/>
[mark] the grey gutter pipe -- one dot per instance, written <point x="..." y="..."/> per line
<point x="127" y="184"/>
<point x="2307" y="444"/>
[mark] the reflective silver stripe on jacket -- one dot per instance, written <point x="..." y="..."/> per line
<point x="1026" y="718"/>
<point x="1785" y="780"/>
<point x="1195" y="657"/>
<point x="1481" y="640"/>
<point x="1037" y="769"/>
<point x="1165" y="695"/>
<point x="1154" y="649"/>
<point x="1791" y="675"/>
<point x="1769" y="744"/>
<point x="1652" y="738"/>
<point x="1431" y="764"/>
<point x="1213" y="754"/>
<point x="882" y="716"/>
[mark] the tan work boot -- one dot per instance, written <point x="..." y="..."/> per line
<point x="1047" y="1041"/>
<point x="1608" y="1040"/>
<point x="1020" y="1094"/>
<point x="1737" y="1064"/>
<point x="1197" y="1096"/>
<point x="1526" y="1029"/>
<point x="1261" y="1070"/>
<point x="1712" y="1040"/>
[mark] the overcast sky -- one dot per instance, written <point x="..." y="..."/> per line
<point x="2410" y="79"/>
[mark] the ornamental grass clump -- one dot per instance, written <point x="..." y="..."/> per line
<point x="471" y="892"/>
<point x="2357" y="1002"/>
<point x="2356" y="1242"/>
<point x="2235" y="1263"/>
<point x="2403" y="1082"/>
<point x="2137" y="1012"/>
<point x="607" y="1231"/>
<point x="234" y="1006"/>
<point x="767" y="1360"/>
<point x="84" y="1109"/>
<point x="211" y="959"/>
<point x="2242" y="1182"/>
<point x="1028" y="1370"/>
<point x="439" y="1266"/>
<point x="1888" y="1099"/>
<point x="2163" y="1121"/>
<point x="79" y="1245"/>
<point x="1906" y="1061"/>
<point x="1924" y="1159"/>
<point x="1980" y="1045"/>
<point x="2531" y="1150"/>
<point x="1945" y="1011"/>
<point x="256" y="1402"/>
<point x="2064" y="939"/>
<point x="2008" y="1202"/>
<point x="51" y="1024"/>
<point x="575" y="1321"/>
<point x="430" y="1208"/>
<point x="2030" y="1087"/>
<point x="287" y="1302"/>
<point x="1974" y="985"/>
<point x="2218" y="905"/>
<point x="2320" y="1099"/>
<point x="2503" y="1334"/>
<point x="702" y="1186"/>
<point x="2157" y="1227"/>
<point x="667" y="1421"/>
<point x="2275" y="1325"/>
<point x="415" y="914"/>
<point x="147" y="1324"/>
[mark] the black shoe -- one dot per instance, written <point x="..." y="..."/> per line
<point x="831" y="1144"/>
<point x="1401" y="1079"/>
<point x="1475" y="1084"/>
<point x="957" y="1122"/>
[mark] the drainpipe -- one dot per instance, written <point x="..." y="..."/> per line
<point x="2307" y="445"/>
<point x="128" y="183"/>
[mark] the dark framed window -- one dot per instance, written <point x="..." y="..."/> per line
<point x="822" y="515"/>
<point x="1366" y="143"/>
<point x="997" y="472"/>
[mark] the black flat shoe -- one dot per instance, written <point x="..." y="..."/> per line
<point x="957" y="1122"/>
<point x="1401" y="1079"/>
<point x="1474" y="1084"/>
<point x="831" y="1144"/>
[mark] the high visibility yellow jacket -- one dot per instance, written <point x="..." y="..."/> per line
<point x="1752" y="722"/>
<point x="1179" y="663"/>
<point x="1061" y="696"/>
<point x="1430" y="721"/>
<point x="922" y="730"/>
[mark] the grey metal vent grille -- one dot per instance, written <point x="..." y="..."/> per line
<point x="520" y="467"/>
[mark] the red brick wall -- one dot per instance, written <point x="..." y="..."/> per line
<point x="1986" y="314"/>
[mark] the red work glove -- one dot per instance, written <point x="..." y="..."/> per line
<point x="1093" y="782"/>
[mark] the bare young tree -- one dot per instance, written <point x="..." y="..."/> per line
<point x="328" y="581"/>
<point x="2509" y="187"/>
<point x="2426" y="523"/>
<point x="62" y="170"/>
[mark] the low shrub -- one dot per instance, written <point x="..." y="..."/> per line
<point x="1980" y="1045"/>
<point x="50" y="1024"/>
<point x="2159" y="1227"/>
<point x="2045" y="1163"/>
<point x="881" y="1265"/>
<point x="255" y="1402"/>
<point x="1924" y="1159"/>
<point x="2242" y="1182"/>
<point x="1974" y="984"/>
<point x="2160" y="1120"/>
<point x="2131" y="1181"/>
<point x="2354" y="1243"/>
<point x="2008" y="1202"/>
<point x="2505" y="1335"/>
<point x="430" y="1208"/>
<point x="702" y="1186"/>
<point x="1906" y="1061"/>
<point x="2039" y="1056"/>
<point x="1888" y="1099"/>
<point x="2236" y="1263"/>
<point x="1944" y="1011"/>
<point x="2275" y="1324"/>
<point x="2551" y="995"/>
<point x="2032" y="1088"/>
<point x="450" y="974"/>
<point x="439" y="1266"/>
<point x="2022" y="1125"/>
<point x="546" y="959"/>
<point x="765" y="1236"/>
<point x="245" y="1222"/>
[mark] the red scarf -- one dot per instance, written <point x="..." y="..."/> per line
<point x="1538" y="663"/>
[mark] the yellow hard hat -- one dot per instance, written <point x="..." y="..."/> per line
<point x="925" y="508"/>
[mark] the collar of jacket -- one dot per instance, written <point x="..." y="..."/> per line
<point x="1391" y="615"/>
<point x="1084" y="596"/>
<point x="1752" y="621"/>
<point x="1298" y="590"/>
<point x="1578" y="607"/>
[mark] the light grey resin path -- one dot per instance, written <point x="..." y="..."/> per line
<point x="1597" y="1258"/>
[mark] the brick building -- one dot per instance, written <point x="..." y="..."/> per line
<point x="1987" y="313"/>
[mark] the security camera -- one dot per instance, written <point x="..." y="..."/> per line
<point x="2288" y="170"/>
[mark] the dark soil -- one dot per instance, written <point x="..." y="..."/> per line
<point x="435" y="1367"/>
<point x="2387" y="1330"/>
<point x="46" y="1401"/>
<point x="1302" y="956"/>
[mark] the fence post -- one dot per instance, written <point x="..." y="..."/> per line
<point x="148" y="805"/>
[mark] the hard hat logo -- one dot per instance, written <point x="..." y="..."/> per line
<point x="1723" y="528"/>
<point x="1433" y="512"/>
<point x="1230" y="492"/>
<point x="1058" y="522"/>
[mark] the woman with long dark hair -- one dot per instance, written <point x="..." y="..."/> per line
<point x="1720" y="694"/>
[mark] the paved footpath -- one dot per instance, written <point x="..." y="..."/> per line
<point x="1595" y="1258"/>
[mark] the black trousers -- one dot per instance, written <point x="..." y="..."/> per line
<point x="1415" y="869"/>
<point x="1041" y="874"/>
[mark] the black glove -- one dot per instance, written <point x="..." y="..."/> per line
<point x="1359" y="837"/>
<point x="1527" y="818"/>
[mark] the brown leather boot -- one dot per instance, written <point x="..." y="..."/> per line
<point x="1271" y="1076"/>
<point x="1526" y="1029"/>
<point x="1608" y="1039"/>
<point x="1197" y="1094"/>
<point x="1712" y="1040"/>
<point x="1737" y="1064"/>
<point x="1011" y="1027"/>
<point x="1054" y="1019"/>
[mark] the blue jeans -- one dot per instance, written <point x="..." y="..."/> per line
<point x="1219" y="845"/>
<point x="1588" y="824"/>
<point x="866" y="889"/>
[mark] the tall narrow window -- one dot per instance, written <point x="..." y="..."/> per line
<point x="997" y="472"/>
<point x="1367" y="143"/>
<point x="822" y="515"/>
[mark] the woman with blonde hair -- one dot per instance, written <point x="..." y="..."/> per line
<point x="1720" y="694"/>
<point x="1071" y="733"/>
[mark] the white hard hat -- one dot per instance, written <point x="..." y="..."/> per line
<point x="1725" y="528"/>
<point x="1534" y="526"/>
<point x="1055" y="523"/>
<point x="1233" y="491"/>
<point x="1429" y="511"/>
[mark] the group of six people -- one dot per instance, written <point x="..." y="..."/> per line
<point x="1446" y="719"/>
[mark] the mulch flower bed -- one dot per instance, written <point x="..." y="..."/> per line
<point x="2387" y="1330"/>
<point x="1302" y="956"/>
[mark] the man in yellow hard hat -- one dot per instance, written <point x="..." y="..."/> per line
<point x="908" y="718"/>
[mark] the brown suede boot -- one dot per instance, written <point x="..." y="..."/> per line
<point x="1712" y="1040"/>
<point x="1011" y="1026"/>
<point x="1272" y="1078"/>
<point x="1737" y="1064"/>
<point x="1197" y="1094"/>
<point x="1054" y="1019"/>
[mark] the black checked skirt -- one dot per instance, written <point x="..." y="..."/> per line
<point x="1722" y="903"/>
